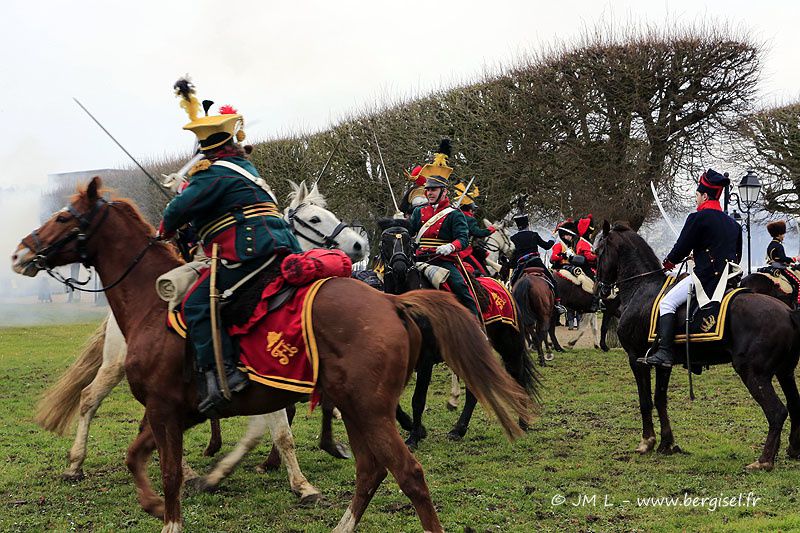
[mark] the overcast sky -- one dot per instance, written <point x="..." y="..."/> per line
<point x="288" y="66"/>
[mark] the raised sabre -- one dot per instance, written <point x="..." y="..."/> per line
<point x="328" y="162"/>
<point x="661" y="208"/>
<point x="386" y="175"/>
<point x="457" y="203"/>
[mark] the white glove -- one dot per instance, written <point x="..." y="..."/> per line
<point x="445" y="249"/>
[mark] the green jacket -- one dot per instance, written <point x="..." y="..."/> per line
<point x="451" y="229"/>
<point x="229" y="209"/>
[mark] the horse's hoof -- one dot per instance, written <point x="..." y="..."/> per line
<point x="669" y="450"/>
<point x="199" y="484"/>
<point x="73" y="476"/>
<point x="793" y="453"/>
<point x="548" y="356"/>
<point x="758" y="465"/>
<point x="267" y="466"/>
<point x="455" y="436"/>
<point x="337" y="450"/>
<point x="310" y="499"/>
<point x="524" y="426"/>
<point x="605" y="348"/>
<point x="646" y="445"/>
<point x="412" y="444"/>
<point x="452" y="406"/>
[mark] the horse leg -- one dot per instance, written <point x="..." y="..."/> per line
<point x="256" y="427"/>
<point x="215" y="442"/>
<point x="402" y="417"/>
<point x="418" y="431"/>
<point x="762" y="391"/>
<point x="108" y="376"/>
<point x="556" y="345"/>
<point x="455" y="392"/>
<point x="460" y="429"/>
<point x="662" y="386"/>
<point x="326" y="441"/>
<point x="789" y="386"/>
<point x="643" y="386"/>
<point x="369" y="475"/>
<point x="139" y="453"/>
<point x="595" y="330"/>
<point x="604" y="330"/>
<point x="273" y="461"/>
<point x="168" y="434"/>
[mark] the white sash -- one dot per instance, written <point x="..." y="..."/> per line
<point x="239" y="170"/>
<point x="433" y="220"/>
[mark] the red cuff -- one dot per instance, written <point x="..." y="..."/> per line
<point x="457" y="245"/>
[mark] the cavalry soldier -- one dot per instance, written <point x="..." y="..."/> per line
<point x="526" y="254"/>
<point x="415" y="194"/>
<point x="776" y="256"/>
<point x="441" y="230"/>
<point x="470" y="254"/>
<point x="231" y="206"/>
<point x="586" y="228"/>
<point x="715" y="240"/>
<point x="564" y="250"/>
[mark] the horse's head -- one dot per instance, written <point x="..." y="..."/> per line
<point x="396" y="254"/>
<point x="622" y="253"/>
<point x="66" y="237"/>
<point x="316" y="227"/>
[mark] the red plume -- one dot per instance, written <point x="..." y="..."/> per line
<point x="227" y="110"/>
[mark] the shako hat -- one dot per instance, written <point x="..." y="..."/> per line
<point x="211" y="131"/>
<point x="712" y="183"/>
<point x="437" y="174"/>
<point x="469" y="198"/>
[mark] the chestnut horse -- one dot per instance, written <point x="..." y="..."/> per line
<point x="535" y="302"/>
<point x="113" y="237"/>
<point x="761" y="342"/>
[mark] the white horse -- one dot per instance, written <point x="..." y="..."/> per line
<point x="101" y="366"/>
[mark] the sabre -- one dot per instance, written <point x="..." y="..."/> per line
<point x="328" y="162"/>
<point x="457" y="203"/>
<point x="160" y="188"/>
<point x="383" y="166"/>
<point x="661" y="208"/>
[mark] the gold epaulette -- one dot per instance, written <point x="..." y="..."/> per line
<point x="200" y="166"/>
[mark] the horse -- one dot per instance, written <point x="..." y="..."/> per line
<point x="400" y="276"/>
<point x="101" y="367"/>
<point x="578" y="300"/>
<point x="113" y="237"/>
<point x="627" y="262"/>
<point x="535" y="301"/>
<point x="500" y="249"/>
<point x="761" y="284"/>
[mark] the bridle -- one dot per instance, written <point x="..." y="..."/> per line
<point x="398" y="251"/>
<point x="608" y="288"/>
<point x="490" y="246"/>
<point x="318" y="238"/>
<point x="81" y="235"/>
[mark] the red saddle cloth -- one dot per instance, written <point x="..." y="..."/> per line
<point x="502" y="307"/>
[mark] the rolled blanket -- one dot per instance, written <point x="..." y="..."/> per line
<point x="172" y="286"/>
<point x="436" y="275"/>
<point x="301" y="269"/>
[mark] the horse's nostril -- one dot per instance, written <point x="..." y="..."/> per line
<point x="357" y="246"/>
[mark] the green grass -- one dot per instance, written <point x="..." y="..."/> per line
<point x="581" y="445"/>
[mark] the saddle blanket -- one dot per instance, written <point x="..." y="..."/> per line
<point x="277" y="348"/>
<point x="776" y="276"/>
<point x="581" y="279"/>
<point x="502" y="307"/>
<point x="707" y="323"/>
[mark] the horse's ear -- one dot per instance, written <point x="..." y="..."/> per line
<point x="486" y="223"/>
<point x="93" y="190"/>
<point x="606" y="228"/>
<point x="302" y="192"/>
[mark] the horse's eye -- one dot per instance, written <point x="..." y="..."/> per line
<point x="62" y="218"/>
<point x="315" y="220"/>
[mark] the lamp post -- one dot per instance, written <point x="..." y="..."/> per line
<point x="749" y="190"/>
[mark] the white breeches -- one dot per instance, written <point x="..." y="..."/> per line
<point x="676" y="297"/>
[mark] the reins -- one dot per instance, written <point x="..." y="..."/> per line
<point x="323" y="241"/>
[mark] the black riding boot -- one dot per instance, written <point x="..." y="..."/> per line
<point x="211" y="395"/>
<point x="662" y="356"/>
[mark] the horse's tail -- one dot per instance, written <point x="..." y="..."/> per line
<point x="468" y="353"/>
<point x="522" y="296"/>
<point x="59" y="405"/>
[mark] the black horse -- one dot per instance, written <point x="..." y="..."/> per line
<point x="401" y="275"/>
<point x="762" y="341"/>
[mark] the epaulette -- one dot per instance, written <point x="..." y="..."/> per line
<point x="203" y="164"/>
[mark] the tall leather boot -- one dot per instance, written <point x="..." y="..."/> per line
<point x="662" y="356"/>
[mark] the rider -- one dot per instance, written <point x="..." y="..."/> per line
<point x="526" y="254"/>
<point x="564" y="250"/>
<point x="415" y="194"/>
<point x="441" y="230"/>
<point x="470" y="254"/>
<point x="776" y="256"/>
<point x="232" y="207"/>
<point x="715" y="240"/>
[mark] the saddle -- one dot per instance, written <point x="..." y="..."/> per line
<point x="539" y="273"/>
<point x="779" y="277"/>
<point x="707" y="327"/>
<point x="577" y="276"/>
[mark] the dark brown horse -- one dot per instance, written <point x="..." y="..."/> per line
<point x="535" y="301"/>
<point x="580" y="301"/>
<point x="400" y="276"/>
<point x="762" y="284"/>
<point x="626" y="261"/>
<point x="112" y="237"/>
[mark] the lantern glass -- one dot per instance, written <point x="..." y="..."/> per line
<point x="749" y="189"/>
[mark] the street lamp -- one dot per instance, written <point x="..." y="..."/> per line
<point x="747" y="197"/>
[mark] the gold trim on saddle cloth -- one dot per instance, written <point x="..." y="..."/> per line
<point x="268" y="209"/>
<point x="307" y="326"/>
<point x="500" y="318"/>
<point x="715" y="334"/>
<point x="176" y="322"/>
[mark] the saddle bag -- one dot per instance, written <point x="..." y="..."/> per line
<point x="435" y="274"/>
<point x="301" y="269"/>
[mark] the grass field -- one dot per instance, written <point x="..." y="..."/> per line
<point x="580" y="447"/>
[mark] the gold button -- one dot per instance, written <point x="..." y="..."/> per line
<point x="248" y="238"/>
<point x="249" y="250"/>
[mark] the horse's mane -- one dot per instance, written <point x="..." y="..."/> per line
<point x="129" y="208"/>
<point x="637" y="245"/>
<point x="312" y="197"/>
